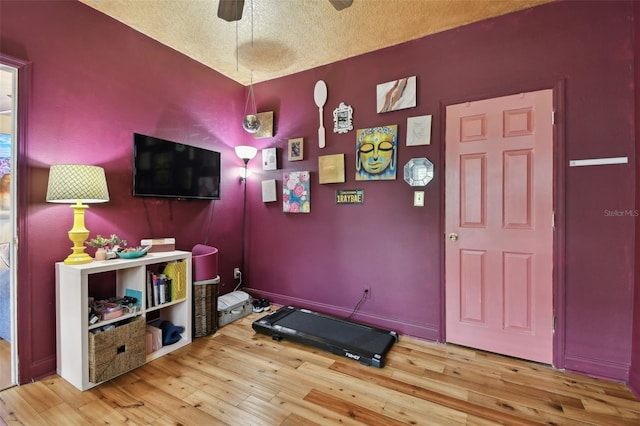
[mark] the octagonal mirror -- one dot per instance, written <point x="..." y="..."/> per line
<point x="418" y="172"/>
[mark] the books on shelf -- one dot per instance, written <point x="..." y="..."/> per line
<point x="158" y="289"/>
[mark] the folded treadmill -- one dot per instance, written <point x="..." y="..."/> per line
<point x="359" y="342"/>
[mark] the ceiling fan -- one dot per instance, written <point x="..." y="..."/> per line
<point x="231" y="10"/>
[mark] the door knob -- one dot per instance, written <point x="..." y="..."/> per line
<point x="453" y="236"/>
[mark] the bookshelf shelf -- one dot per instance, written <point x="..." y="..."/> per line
<point x="111" y="321"/>
<point x="72" y="308"/>
<point x="164" y="305"/>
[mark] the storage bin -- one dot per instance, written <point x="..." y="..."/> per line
<point x="205" y="313"/>
<point x="118" y="350"/>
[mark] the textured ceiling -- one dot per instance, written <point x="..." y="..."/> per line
<point x="282" y="37"/>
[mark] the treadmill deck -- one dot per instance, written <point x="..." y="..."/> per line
<point x="363" y="343"/>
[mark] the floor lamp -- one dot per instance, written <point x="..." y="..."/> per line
<point x="76" y="184"/>
<point x="245" y="153"/>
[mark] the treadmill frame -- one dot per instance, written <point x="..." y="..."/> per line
<point x="269" y="325"/>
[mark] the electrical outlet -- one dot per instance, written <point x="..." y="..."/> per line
<point x="236" y="273"/>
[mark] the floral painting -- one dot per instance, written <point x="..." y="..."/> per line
<point x="295" y="193"/>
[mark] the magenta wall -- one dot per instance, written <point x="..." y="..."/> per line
<point x="324" y="260"/>
<point x="91" y="92"/>
<point x="94" y="83"/>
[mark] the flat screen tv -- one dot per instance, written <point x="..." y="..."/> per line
<point x="162" y="168"/>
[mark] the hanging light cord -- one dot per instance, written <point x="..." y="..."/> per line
<point x="252" y="96"/>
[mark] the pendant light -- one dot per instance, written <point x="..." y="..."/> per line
<point x="251" y="122"/>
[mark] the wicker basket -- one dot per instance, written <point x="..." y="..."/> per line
<point x="205" y="309"/>
<point x="118" y="350"/>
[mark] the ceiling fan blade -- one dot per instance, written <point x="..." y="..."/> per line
<point x="230" y="10"/>
<point x="340" y="4"/>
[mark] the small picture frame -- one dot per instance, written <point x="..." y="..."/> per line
<point x="343" y="118"/>
<point x="269" y="159"/>
<point x="419" y="130"/>
<point x="296" y="149"/>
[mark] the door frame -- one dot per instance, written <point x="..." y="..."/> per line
<point x="21" y="320"/>
<point x="559" y="170"/>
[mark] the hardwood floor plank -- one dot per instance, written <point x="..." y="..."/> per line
<point x="167" y="404"/>
<point x="296" y="420"/>
<point x="17" y="410"/>
<point x="205" y="374"/>
<point x="134" y="409"/>
<point x="265" y="410"/>
<point x="5" y="364"/>
<point x="221" y="412"/>
<point x="425" y="413"/>
<point x="67" y="392"/>
<point x="353" y="411"/>
<point x="313" y="412"/>
<point x="64" y="414"/>
<point x="98" y="412"/>
<point x="405" y="408"/>
<point x="474" y="382"/>
<point x="438" y="398"/>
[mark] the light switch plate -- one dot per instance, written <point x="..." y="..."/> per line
<point x="418" y="198"/>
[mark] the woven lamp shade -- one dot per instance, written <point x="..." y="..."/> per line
<point x="71" y="182"/>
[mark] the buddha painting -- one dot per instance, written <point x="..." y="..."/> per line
<point x="376" y="153"/>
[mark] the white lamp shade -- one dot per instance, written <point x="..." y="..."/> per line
<point x="69" y="183"/>
<point x="246" y="152"/>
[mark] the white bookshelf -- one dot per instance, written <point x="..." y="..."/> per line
<point x="72" y="308"/>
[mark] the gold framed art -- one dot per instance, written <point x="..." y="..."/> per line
<point x="331" y="168"/>
<point x="266" y="125"/>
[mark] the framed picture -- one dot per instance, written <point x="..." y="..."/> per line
<point x="295" y="192"/>
<point x="269" y="191"/>
<point x="376" y="153"/>
<point x="343" y="118"/>
<point x="269" y="159"/>
<point x="395" y="95"/>
<point x="331" y="168"/>
<point x="296" y="149"/>
<point x="419" y="130"/>
<point x="266" y="125"/>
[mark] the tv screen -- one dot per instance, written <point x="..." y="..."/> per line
<point x="162" y="168"/>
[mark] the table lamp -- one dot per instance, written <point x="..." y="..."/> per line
<point x="77" y="183"/>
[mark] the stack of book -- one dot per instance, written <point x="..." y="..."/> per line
<point x="168" y="286"/>
<point x="158" y="289"/>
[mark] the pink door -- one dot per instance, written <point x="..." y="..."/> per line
<point x="499" y="225"/>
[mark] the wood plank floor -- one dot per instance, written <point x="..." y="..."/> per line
<point x="5" y="364"/>
<point x="237" y="377"/>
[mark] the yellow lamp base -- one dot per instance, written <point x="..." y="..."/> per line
<point x="78" y="235"/>
<point x="78" y="259"/>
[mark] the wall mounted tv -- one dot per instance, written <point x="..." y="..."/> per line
<point x="162" y="168"/>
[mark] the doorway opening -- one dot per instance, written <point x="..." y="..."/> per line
<point x="8" y="133"/>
